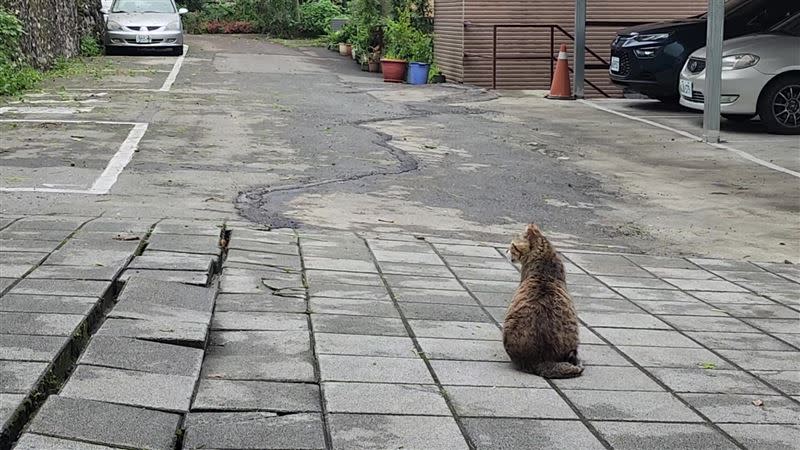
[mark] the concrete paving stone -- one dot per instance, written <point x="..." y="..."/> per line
<point x="372" y="398"/>
<point x="759" y="311"/>
<point x="342" y="265"/>
<point x="173" y="276"/>
<point x="145" y="356"/>
<point x="6" y="283"/>
<point x="763" y="359"/>
<point x="399" y="246"/>
<point x="648" y="338"/>
<point x="503" y="287"/>
<point x="603" y="264"/>
<point x="327" y="277"/>
<point x="99" y="422"/>
<point x="757" y="277"/>
<point x="455" y="330"/>
<point x="674" y="357"/>
<point x="458" y="297"/>
<point x="47" y="304"/>
<point x="471" y="273"/>
<point x="80" y="288"/>
<point x="259" y="302"/>
<point x="513" y="434"/>
<point x="373" y="369"/>
<point x="31" y="441"/>
<point x="467" y="250"/>
<point x="228" y="395"/>
<point x="351" y="252"/>
<point x="273" y="236"/>
<point x="581" y="279"/>
<point x="364" y="345"/>
<point x="484" y="373"/>
<point x="684" y="273"/>
<point x="739" y="408"/>
<point x="179" y="332"/>
<point x="471" y="401"/>
<point x="459" y="349"/>
<point x="253" y="430"/>
<point x="478" y="263"/>
<point x="409" y="282"/>
<point x="31" y="348"/>
<point x="142" y="290"/>
<point x="737" y="341"/>
<point x="667" y="436"/>
<point x="129" y="387"/>
<point x="204" y="245"/>
<point x="656" y="294"/>
<point x="378" y="326"/>
<point x="717" y="298"/>
<point x="408" y="257"/>
<point x="116" y="225"/>
<point x="350" y="307"/>
<point x="710" y="381"/>
<point x="89" y="257"/>
<point x="493" y="298"/>
<point x="356" y="431"/>
<point x="241" y="258"/>
<point x="26" y="235"/>
<point x="725" y="264"/>
<point x="787" y="381"/>
<point x="701" y="323"/>
<point x="771" y="287"/>
<point x="634" y="282"/>
<point x="159" y="313"/>
<point x="265" y="247"/>
<point x="174" y="261"/>
<point x="705" y="285"/>
<point x="105" y="241"/>
<point x="266" y="283"/>
<point x="587" y="336"/>
<point x="592" y="291"/>
<point x="626" y="320"/>
<point x="663" y="262"/>
<point x="792" y="339"/>
<point x="606" y="306"/>
<point x="8" y="406"/>
<point x="783" y="269"/>
<point x="39" y="324"/>
<point x="498" y="313"/>
<point x="259" y="355"/>
<point x="609" y="378"/>
<point x="20" y="377"/>
<point x="259" y="321"/>
<point x="458" y="313"/>
<point x="335" y="290"/>
<point x="424" y="270"/>
<point x="629" y="406"/>
<point x="679" y="308"/>
<point x="601" y="355"/>
<point x="48" y="223"/>
<point x="75" y="273"/>
<point x="27" y="245"/>
<point x="787" y="326"/>
<point x="784" y="437"/>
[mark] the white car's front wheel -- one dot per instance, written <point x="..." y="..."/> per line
<point x="779" y="105"/>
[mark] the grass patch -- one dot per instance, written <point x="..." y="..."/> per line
<point x="301" y="42"/>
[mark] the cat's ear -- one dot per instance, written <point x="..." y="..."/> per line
<point x="532" y="232"/>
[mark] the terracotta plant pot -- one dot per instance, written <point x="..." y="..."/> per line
<point x="343" y="49"/>
<point x="394" y="70"/>
<point x="374" y="66"/>
<point x="348" y="50"/>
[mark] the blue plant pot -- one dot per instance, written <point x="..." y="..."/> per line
<point x="418" y="73"/>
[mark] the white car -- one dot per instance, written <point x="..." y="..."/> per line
<point x="760" y="76"/>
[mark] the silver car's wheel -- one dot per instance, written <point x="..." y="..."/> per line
<point x="779" y="105"/>
<point x="786" y="106"/>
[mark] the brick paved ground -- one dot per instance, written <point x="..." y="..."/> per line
<point x="296" y="340"/>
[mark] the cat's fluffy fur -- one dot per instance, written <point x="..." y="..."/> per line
<point x="540" y="333"/>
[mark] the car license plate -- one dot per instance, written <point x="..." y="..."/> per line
<point x="685" y="87"/>
<point x="614" y="64"/>
<point x="142" y="38"/>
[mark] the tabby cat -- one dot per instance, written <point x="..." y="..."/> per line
<point x="540" y="333"/>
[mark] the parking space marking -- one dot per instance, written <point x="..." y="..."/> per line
<point x="694" y="137"/>
<point x="103" y="184"/>
<point x="173" y="74"/>
<point x="61" y="110"/>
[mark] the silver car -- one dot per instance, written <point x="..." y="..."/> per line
<point x="144" y="24"/>
<point x="760" y="76"/>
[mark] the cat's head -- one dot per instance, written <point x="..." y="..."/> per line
<point x="529" y="245"/>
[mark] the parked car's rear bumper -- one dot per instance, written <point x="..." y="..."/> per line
<point x="157" y="39"/>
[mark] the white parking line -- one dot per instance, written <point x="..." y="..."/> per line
<point x="173" y="74"/>
<point x="691" y="136"/>
<point x="102" y="185"/>
<point x="44" y="110"/>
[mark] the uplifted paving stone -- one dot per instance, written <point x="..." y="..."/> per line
<point x="373" y="369"/>
<point x="711" y="381"/>
<point x="355" y="431"/>
<point x="47" y="304"/>
<point x="204" y="245"/>
<point x="30" y="348"/>
<point x="87" y="257"/>
<point x="288" y="248"/>
<point x="99" y="273"/>
<point x="253" y="430"/>
<point x="462" y="349"/>
<point x="165" y="293"/>
<point x="384" y="399"/>
<point x="739" y="408"/>
<point x="264" y="321"/>
<point x="226" y="395"/>
<point x="508" y="402"/>
<point x="184" y="333"/>
<point x="667" y="436"/>
<point x="482" y="373"/>
<point x="765" y="436"/>
<point x="99" y="422"/>
<point x="259" y="355"/>
<point x="269" y="236"/>
<point x="159" y="313"/>
<point x="364" y="345"/>
<point x="30" y="441"/>
<point x="513" y="434"/>
<point x="173" y="276"/>
<point x="39" y="324"/>
<point x="149" y="390"/>
<point x="351" y="307"/>
<point x="674" y="357"/>
<point x="173" y="261"/>
<point x="259" y="302"/>
<point x="268" y="283"/>
<point x="457" y="313"/>
<point x="80" y="288"/>
<point x="621" y="405"/>
<point x="146" y="356"/>
<point x="242" y="258"/>
<point x="379" y="326"/>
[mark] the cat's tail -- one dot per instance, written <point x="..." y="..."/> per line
<point x="555" y="369"/>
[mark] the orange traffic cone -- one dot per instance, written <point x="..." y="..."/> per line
<point x="561" y="88"/>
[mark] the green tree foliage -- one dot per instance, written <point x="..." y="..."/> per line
<point x="15" y="75"/>
<point x="316" y="15"/>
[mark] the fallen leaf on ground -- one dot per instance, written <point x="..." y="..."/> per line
<point x="758" y="402"/>
<point x="708" y="365"/>
<point x="385" y="221"/>
<point x="126" y="237"/>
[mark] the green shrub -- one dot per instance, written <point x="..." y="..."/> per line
<point x="219" y="11"/>
<point x="15" y="75"/>
<point x="90" y="46"/>
<point x="316" y="15"/>
<point x="194" y="22"/>
<point x="10" y="32"/>
<point x="17" y="78"/>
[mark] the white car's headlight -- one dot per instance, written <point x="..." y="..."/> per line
<point x="652" y="37"/>
<point x="743" y="61"/>
<point x="174" y="26"/>
<point x="113" y="26"/>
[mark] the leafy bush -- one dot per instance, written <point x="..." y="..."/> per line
<point x="10" y="32"/>
<point x="194" y="22"/>
<point x="316" y="15"/>
<point x="14" y="79"/>
<point x="218" y="11"/>
<point x="90" y="46"/>
<point x="15" y="75"/>
<point x="404" y="41"/>
<point x="231" y="27"/>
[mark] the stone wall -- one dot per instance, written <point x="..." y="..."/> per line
<point x="53" y="28"/>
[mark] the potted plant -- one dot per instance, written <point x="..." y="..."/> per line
<point x="374" y="59"/>
<point x="399" y="38"/>
<point x="421" y="57"/>
<point x="346" y="35"/>
<point x="435" y="75"/>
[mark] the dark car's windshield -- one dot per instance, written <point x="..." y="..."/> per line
<point x="790" y="26"/>
<point x="143" y="6"/>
